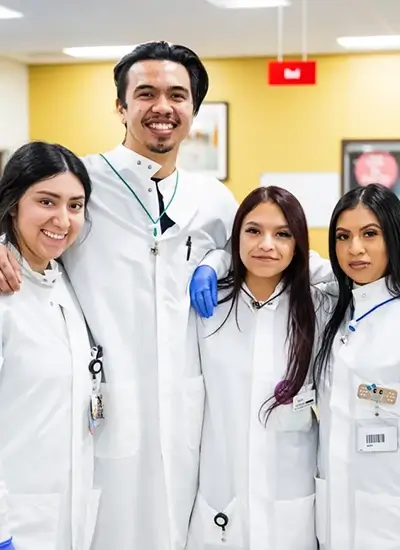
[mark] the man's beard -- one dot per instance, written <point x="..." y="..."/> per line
<point x="159" y="148"/>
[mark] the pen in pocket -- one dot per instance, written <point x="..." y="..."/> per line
<point x="189" y="248"/>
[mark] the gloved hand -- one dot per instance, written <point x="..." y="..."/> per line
<point x="7" y="545"/>
<point x="203" y="290"/>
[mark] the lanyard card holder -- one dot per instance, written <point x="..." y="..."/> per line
<point x="96" y="405"/>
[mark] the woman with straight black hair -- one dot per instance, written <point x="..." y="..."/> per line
<point x="258" y="450"/>
<point x="49" y="399"/>
<point x="357" y="372"/>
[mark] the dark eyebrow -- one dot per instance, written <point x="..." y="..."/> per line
<point x="361" y="228"/>
<point x="56" y="196"/>
<point x="143" y="87"/>
<point x="279" y="227"/>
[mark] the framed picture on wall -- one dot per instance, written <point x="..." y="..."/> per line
<point x="370" y="161"/>
<point x="205" y="150"/>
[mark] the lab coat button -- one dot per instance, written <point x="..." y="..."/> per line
<point x="149" y="189"/>
<point x="139" y="162"/>
<point x="363" y="295"/>
<point x="149" y="167"/>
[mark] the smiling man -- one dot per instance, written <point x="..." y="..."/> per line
<point x="152" y="225"/>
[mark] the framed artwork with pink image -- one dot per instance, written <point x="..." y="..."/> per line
<point x="370" y="161"/>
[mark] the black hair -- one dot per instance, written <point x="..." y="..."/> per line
<point x="163" y="51"/>
<point x="386" y="206"/>
<point x="301" y="319"/>
<point x="34" y="162"/>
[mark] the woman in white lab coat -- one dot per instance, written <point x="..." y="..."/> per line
<point x="358" y="373"/>
<point x="258" y="450"/>
<point x="47" y="501"/>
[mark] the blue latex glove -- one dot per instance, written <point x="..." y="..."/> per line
<point x="7" y="545"/>
<point x="203" y="290"/>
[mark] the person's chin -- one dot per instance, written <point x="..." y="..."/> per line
<point x="160" y="148"/>
<point x="267" y="272"/>
<point x="53" y="253"/>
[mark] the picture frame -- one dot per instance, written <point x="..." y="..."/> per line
<point x="205" y="150"/>
<point x="366" y="161"/>
<point x="2" y="162"/>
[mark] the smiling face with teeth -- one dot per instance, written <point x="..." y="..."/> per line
<point x="48" y="219"/>
<point x="158" y="112"/>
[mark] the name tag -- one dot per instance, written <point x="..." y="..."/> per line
<point x="377" y="438"/>
<point x="304" y="399"/>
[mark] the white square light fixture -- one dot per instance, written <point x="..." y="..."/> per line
<point x="6" y="13"/>
<point x="248" y="4"/>
<point x="385" y="42"/>
<point x="99" y="52"/>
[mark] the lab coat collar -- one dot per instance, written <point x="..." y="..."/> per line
<point x="46" y="279"/>
<point x="123" y="158"/>
<point x="367" y="296"/>
<point x="184" y="205"/>
<point x="273" y="300"/>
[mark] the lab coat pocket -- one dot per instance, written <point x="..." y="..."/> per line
<point x="204" y="534"/>
<point x="320" y="509"/>
<point x="194" y="395"/>
<point x="34" y="520"/>
<point x="118" y="434"/>
<point x="377" y="522"/>
<point x="288" y="420"/>
<point x="295" y="524"/>
<point x="92" y="509"/>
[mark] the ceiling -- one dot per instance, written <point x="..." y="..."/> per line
<point x="50" y="25"/>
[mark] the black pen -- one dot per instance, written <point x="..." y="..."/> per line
<point x="189" y="247"/>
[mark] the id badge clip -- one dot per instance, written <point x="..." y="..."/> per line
<point x="377" y="394"/>
<point x="96" y="406"/>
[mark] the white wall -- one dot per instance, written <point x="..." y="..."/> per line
<point x="14" y="104"/>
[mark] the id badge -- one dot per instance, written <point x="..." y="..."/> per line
<point x="377" y="437"/>
<point x="304" y="400"/>
<point x="96" y="406"/>
<point x="96" y="411"/>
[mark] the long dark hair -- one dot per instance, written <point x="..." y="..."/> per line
<point x="34" y="162"/>
<point x="386" y="207"/>
<point x="301" y="319"/>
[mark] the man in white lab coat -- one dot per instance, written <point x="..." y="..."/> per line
<point x="151" y="226"/>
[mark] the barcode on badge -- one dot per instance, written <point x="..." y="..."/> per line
<point x="375" y="438"/>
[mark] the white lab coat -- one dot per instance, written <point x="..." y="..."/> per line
<point x="261" y="477"/>
<point x="358" y="493"/>
<point x="47" y="500"/>
<point x="137" y="304"/>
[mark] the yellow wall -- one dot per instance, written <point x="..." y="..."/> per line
<point x="271" y="129"/>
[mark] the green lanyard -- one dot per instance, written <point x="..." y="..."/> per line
<point x="155" y="222"/>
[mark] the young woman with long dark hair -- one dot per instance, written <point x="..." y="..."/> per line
<point x="258" y="451"/>
<point x="357" y="372"/>
<point x="48" y="499"/>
